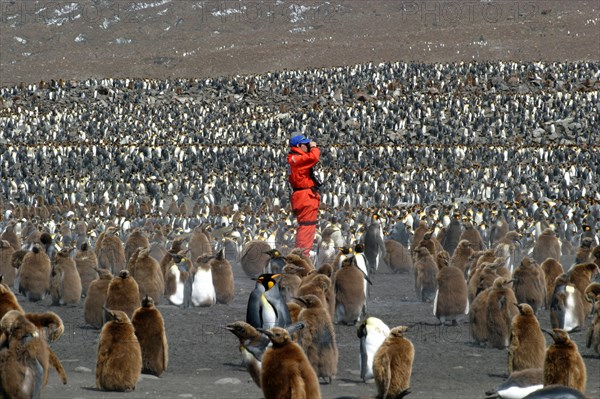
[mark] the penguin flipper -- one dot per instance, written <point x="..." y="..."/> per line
<point x="282" y="312"/>
<point x="253" y="309"/>
<point x="590" y="336"/>
<point x="55" y="362"/>
<point x="187" y="292"/>
<point x="363" y="359"/>
<point x="38" y="378"/>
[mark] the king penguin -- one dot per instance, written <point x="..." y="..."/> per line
<point x="371" y="332"/>
<point x="374" y="244"/>
<point x="362" y="264"/>
<point x="566" y="306"/>
<point x="266" y="307"/>
<point x="518" y="384"/>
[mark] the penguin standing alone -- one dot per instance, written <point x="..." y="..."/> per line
<point x="150" y="331"/>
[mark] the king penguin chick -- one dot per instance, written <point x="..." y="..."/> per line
<point x="371" y="332"/>
<point x="527" y="346"/>
<point x="150" y="331"/>
<point x="34" y="274"/>
<point x="392" y="365"/>
<point x="266" y="307"/>
<point x="286" y="371"/>
<point x="317" y="338"/>
<point x="222" y="276"/>
<point x="563" y="364"/>
<point x="425" y="275"/>
<point x="65" y="287"/>
<point x="119" y="360"/>
<point x="96" y="298"/>
<point x="8" y="300"/>
<point x="529" y="284"/>
<point x="451" y="302"/>
<point x="593" y="335"/>
<point x="500" y="311"/>
<point x="24" y="358"/>
<point x="350" y="299"/>
<point x="252" y="347"/>
<point x="86" y="263"/>
<point x="147" y="274"/>
<point x="123" y="294"/>
<point x="552" y="269"/>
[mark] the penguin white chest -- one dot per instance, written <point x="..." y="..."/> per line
<point x="203" y="290"/>
<point x="177" y="297"/>
<point x="570" y="318"/>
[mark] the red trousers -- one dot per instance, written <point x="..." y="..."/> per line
<point x="305" y="205"/>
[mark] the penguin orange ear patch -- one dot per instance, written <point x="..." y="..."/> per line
<point x="271" y="284"/>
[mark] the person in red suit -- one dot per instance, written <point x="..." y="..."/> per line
<point x="303" y="156"/>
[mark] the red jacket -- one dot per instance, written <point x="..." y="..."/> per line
<point x="300" y="164"/>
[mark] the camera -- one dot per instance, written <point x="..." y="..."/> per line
<point x="315" y="178"/>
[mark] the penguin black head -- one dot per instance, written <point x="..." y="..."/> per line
<point x="346" y="250"/>
<point x="46" y="238"/>
<point x="359" y="248"/>
<point x="273" y="253"/>
<point x="267" y="280"/>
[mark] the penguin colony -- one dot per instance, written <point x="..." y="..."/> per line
<point x="515" y="213"/>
